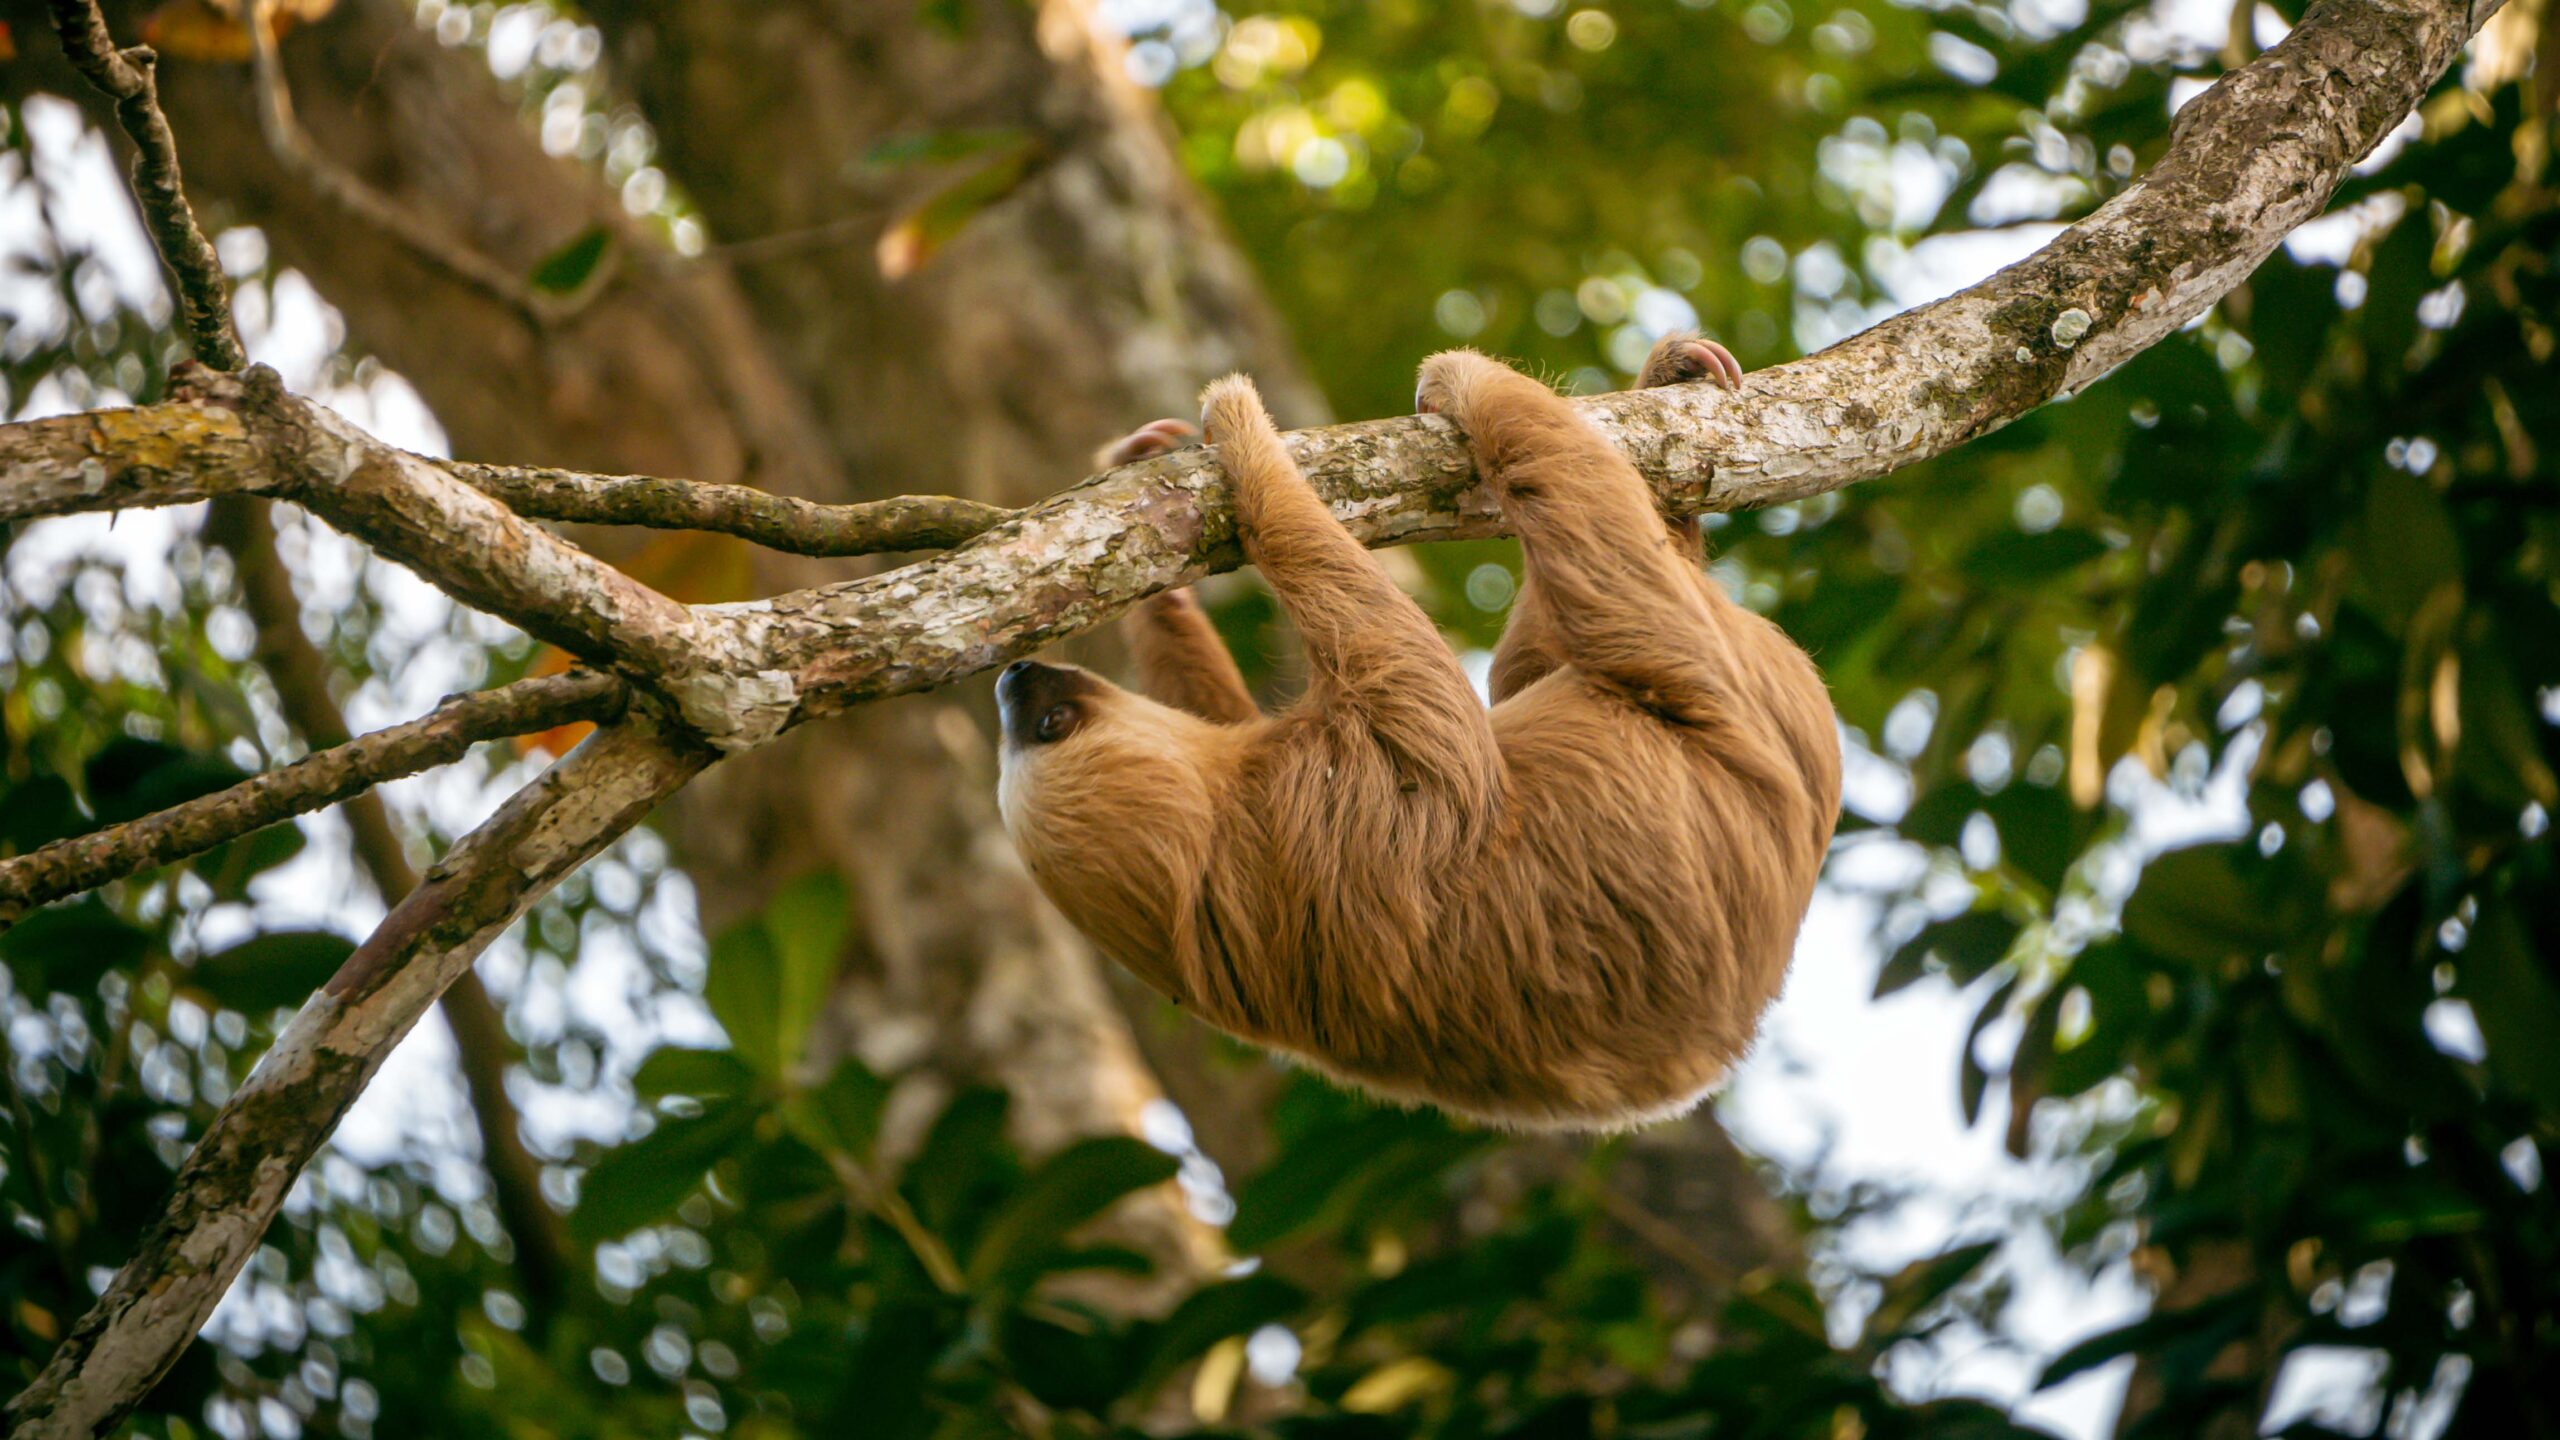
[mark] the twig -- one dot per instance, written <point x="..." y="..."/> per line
<point x="1666" y="1239"/>
<point x="443" y="735"/>
<point x="293" y="149"/>
<point x="181" y="451"/>
<point x="786" y="244"/>
<point x="777" y="522"/>
<point x="128" y="77"/>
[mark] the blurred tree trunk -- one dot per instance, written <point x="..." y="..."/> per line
<point x="805" y="357"/>
<point x="958" y="965"/>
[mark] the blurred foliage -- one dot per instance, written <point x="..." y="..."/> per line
<point x="2223" y="696"/>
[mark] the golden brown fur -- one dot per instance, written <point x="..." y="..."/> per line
<point x="1569" y="911"/>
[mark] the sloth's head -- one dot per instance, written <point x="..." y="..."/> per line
<point x="1109" y="796"/>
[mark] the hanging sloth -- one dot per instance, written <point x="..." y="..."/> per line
<point x="1567" y="911"/>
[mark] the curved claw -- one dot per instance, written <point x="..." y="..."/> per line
<point x="1682" y="358"/>
<point x="1156" y="437"/>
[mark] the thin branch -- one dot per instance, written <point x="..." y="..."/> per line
<point x="788" y="244"/>
<point x="468" y="545"/>
<point x="236" y="1178"/>
<point x="441" y="736"/>
<point x="182" y="451"/>
<point x="128" y="77"/>
<point x="341" y="187"/>
<point x="777" y="522"/>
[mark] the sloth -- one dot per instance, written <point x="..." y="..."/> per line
<point x="1566" y="911"/>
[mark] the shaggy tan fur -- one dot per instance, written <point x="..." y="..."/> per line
<point x="1567" y="912"/>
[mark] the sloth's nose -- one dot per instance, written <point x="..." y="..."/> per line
<point x="1016" y="668"/>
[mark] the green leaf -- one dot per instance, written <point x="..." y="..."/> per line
<point x="743" y="986"/>
<point x="806" y="923"/>
<point x="1964" y="947"/>
<point x="2014" y="557"/>
<point x="38" y="811"/>
<point x="911" y="242"/>
<point x="963" y="1164"/>
<point x="2212" y="1324"/>
<point x="843" y="1114"/>
<point x="1971" y="1078"/>
<point x="273" y="971"/>
<point x="637" y="1184"/>
<point x="2040" y="831"/>
<point x="1070" y="1188"/>
<point x="1919" y="1285"/>
<point x="2208" y="903"/>
<point x="568" y="270"/>
<point x="65" y="948"/>
<point x="2507" y="977"/>
<point x="935" y="147"/>
<point x="229" y="868"/>
<point x="129" y="778"/>
<point x="1065" y="1368"/>
<point x="702" y="1074"/>
<point x="2405" y="546"/>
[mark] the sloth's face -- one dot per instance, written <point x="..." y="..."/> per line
<point x="1044" y="705"/>
<point x="1081" y="752"/>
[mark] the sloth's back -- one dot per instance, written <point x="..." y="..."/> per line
<point x="1605" y="950"/>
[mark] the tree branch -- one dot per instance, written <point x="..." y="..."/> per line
<point x="443" y="735"/>
<point x="483" y="1051"/>
<point x="2250" y="159"/>
<point x="236" y="1178"/>
<point x="128" y="78"/>
<point x="777" y="522"/>
<point x="293" y="149"/>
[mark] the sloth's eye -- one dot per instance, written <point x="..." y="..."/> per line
<point x="1056" y="724"/>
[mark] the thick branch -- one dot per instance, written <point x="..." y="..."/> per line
<point x="443" y="735"/>
<point x="236" y="1178"/>
<point x="2249" y="160"/>
<point x="127" y="77"/>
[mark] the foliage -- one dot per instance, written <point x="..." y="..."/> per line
<point x="2224" y="693"/>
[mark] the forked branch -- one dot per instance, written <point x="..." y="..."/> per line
<point x="441" y="736"/>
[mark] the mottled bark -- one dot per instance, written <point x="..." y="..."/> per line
<point x="442" y="735"/>
<point x="237" y="1176"/>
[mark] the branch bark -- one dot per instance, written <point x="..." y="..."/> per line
<point x="482" y="1048"/>
<point x="2249" y="160"/>
<point x="236" y="1178"/>
<point x="130" y="78"/>
<point x="444" y="734"/>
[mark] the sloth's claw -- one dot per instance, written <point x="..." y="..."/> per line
<point x="1678" y="359"/>
<point x="1156" y="437"/>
